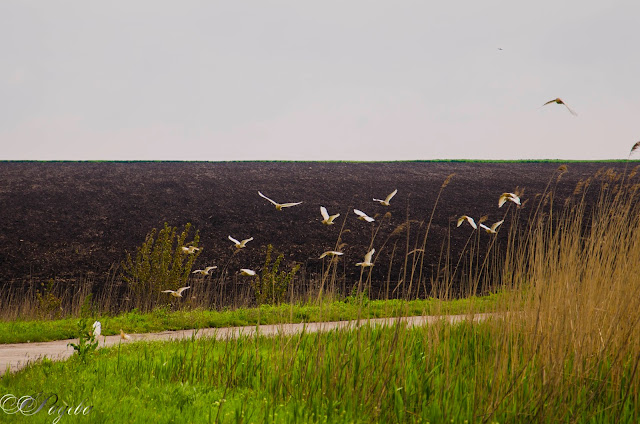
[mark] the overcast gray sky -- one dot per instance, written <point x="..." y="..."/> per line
<point x="302" y="80"/>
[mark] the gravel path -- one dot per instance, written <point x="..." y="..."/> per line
<point x="16" y="356"/>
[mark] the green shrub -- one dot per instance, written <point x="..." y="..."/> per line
<point x="48" y="306"/>
<point x="273" y="284"/>
<point x="87" y="342"/>
<point x="159" y="264"/>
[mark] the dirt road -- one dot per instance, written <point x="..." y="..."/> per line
<point x="16" y="356"/>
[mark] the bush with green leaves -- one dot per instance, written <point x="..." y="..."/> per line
<point x="159" y="264"/>
<point x="87" y="342"/>
<point x="273" y="284"/>
<point x="48" y="306"/>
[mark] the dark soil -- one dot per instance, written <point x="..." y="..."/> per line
<point x="76" y="220"/>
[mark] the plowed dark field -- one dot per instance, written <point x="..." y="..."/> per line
<point x="72" y="220"/>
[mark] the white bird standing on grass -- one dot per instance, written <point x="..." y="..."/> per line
<point x="97" y="329"/>
<point x="247" y="272"/>
<point x="331" y="253"/>
<point x="386" y="201"/>
<point x="367" y="259"/>
<point x="279" y="206"/>
<point x="493" y="228"/>
<point x="511" y="197"/>
<point x="363" y="216"/>
<point x="205" y="271"/>
<point x="327" y="220"/>
<point x="240" y="244"/>
<point x="190" y="250"/>
<point x="469" y="220"/>
<point x="177" y="293"/>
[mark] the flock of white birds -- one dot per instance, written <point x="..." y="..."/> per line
<point x="329" y="220"/>
<point x="332" y="254"/>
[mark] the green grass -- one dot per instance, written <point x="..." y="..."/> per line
<point x="162" y="319"/>
<point x="442" y="373"/>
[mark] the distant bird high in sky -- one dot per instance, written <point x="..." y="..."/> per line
<point x="561" y="102"/>
<point x="176" y="293"/>
<point x="279" y="206"/>
<point x="386" y="201"/>
<point x="326" y="218"/>
<point x="240" y="244"/>
<point x="316" y="103"/>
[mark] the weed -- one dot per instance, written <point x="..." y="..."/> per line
<point x="159" y="264"/>
<point x="86" y="341"/>
<point x="273" y="284"/>
<point x="48" y="304"/>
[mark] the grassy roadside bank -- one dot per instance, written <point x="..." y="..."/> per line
<point x="162" y="319"/>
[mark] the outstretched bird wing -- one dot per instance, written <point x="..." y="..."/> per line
<point x="362" y="214"/>
<point x="369" y="255"/>
<point x="390" y="196"/>
<point x="496" y="225"/>
<point x="324" y="213"/>
<point x="234" y="240"/>
<point x="331" y="253"/>
<point x="288" y="205"/>
<point x="461" y="220"/>
<point x="569" y="109"/>
<point x="265" y="197"/>
<point x="469" y="220"/>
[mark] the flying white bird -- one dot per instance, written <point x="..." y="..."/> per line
<point x="367" y="259"/>
<point x="205" y="271"/>
<point x="469" y="220"/>
<point x="493" y="228"/>
<point x="240" y="244"/>
<point x="97" y="329"/>
<point x="177" y="293"/>
<point x="190" y="250"/>
<point x="124" y="336"/>
<point x="327" y="220"/>
<point x="279" y="206"/>
<point x="510" y="197"/>
<point x="386" y="201"/>
<point x="561" y="102"/>
<point x="363" y="216"/>
<point x="331" y="253"/>
<point x="247" y="272"/>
